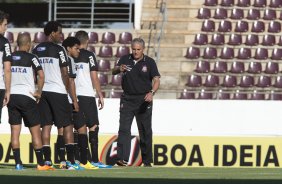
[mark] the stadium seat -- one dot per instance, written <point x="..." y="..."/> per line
<point x="258" y="27"/>
<point x="252" y="40"/>
<point x="227" y="53"/>
<point x="276" y="54"/>
<point x="39" y="37"/>
<point x="246" y="81"/>
<point x="271" y="68"/>
<point x="9" y="36"/>
<point x="108" y="38"/>
<point x="220" y="13"/>
<point x="275" y="95"/>
<point x="185" y="94"/>
<point x="269" y="14"/>
<point x="264" y="81"/>
<point x="217" y="39"/>
<point x="237" y="14"/>
<point x="241" y="26"/>
<point x="116" y="80"/>
<point x="237" y="67"/>
<point x="280" y="41"/>
<point x="93" y="37"/>
<point x="192" y="53"/>
<point x="210" y="53"/>
<point x="115" y="93"/>
<point x="208" y="26"/>
<point x="104" y="65"/>
<point x="254" y="67"/>
<point x="235" y="39"/>
<point x="240" y="95"/>
<point x="224" y="26"/>
<point x="253" y="14"/>
<point x="202" y="67"/>
<point x="259" y="3"/>
<point x="243" y="3"/>
<point x="194" y="81"/>
<point x="229" y="81"/>
<point x="220" y="67"/>
<point x="210" y="3"/>
<point x="122" y="50"/>
<point x="268" y="40"/>
<point x="91" y="48"/>
<point x="201" y="39"/>
<point x="211" y="81"/>
<point x="103" y="78"/>
<point x="125" y="38"/>
<point x="255" y="95"/>
<point x="221" y="95"/>
<point x="261" y="54"/>
<point x="275" y="4"/>
<point x="227" y="3"/>
<point x="244" y="53"/>
<point x="278" y="82"/>
<point x="205" y="95"/>
<point x="204" y="13"/>
<point x="274" y="27"/>
<point x="106" y="51"/>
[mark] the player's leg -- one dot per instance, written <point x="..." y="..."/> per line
<point x="60" y="147"/>
<point x="15" y="142"/>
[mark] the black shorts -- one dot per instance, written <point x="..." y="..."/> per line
<point x="88" y="112"/>
<point x="23" y="107"/>
<point x="2" y="95"/>
<point x="54" y="108"/>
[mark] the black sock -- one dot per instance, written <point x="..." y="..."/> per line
<point x="39" y="156"/>
<point x="93" y="139"/>
<point x="47" y="152"/>
<point x="70" y="152"/>
<point x="17" y="155"/>
<point x="76" y="147"/>
<point x="83" y="144"/>
<point x="61" y="148"/>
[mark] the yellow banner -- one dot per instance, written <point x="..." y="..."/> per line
<point x="176" y="151"/>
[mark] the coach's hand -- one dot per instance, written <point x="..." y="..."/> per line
<point x="149" y="97"/>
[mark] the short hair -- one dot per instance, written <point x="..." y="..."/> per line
<point x="3" y="16"/>
<point x="138" y="41"/>
<point x="23" y="39"/>
<point x="70" y="42"/>
<point x="82" y="36"/>
<point x="51" y="26"/>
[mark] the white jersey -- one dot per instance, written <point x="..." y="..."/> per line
<point x="85" y="64"/>
<point x="52" y="58"/>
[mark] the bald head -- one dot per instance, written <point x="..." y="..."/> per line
<point x="24" y="41"/>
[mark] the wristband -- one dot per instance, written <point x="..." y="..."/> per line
<point x="152" y="91"/>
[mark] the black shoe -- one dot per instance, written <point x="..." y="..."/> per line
<point x="147" y="165"/>
<point x="121" y="163"/>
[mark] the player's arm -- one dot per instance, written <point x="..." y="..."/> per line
<point x="97" y="86"/>
<point x="40" y="78"/>
<point x="7" y="78"/>
<point x="72" y="92"/>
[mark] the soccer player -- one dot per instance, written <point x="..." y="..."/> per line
<point x="71" y="44"/>
<point x="5" y="63"/>
<point x="86" y="80"/>
<point x="23" y="100"/>
<point x="54" y="103"/>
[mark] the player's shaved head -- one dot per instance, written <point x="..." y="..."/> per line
<point x="82" y="36"/>
<point x="23" y="39"/>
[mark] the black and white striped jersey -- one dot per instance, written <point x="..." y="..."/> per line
<point x="5" y="55"/>
<point x="52" y="58"/>
<point x="23" y="66"/>
<point x="85" y="63"/>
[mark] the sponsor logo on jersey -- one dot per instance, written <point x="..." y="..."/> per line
<point x="40" y="49"/>
<point x="18" y="70"/>
<point x="109" y="152"/>
<point x="62" y="56"/>
<point x="35" y="62"/>
<point x="91" y="59"/>
<point x="7" y="49"/>
<point x="16" y="58"/>
<point x="46" y="60"/>
<point x="79" y="66"/>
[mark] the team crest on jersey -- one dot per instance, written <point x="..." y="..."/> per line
<point x="16" y="58"/>
<point x="41" y="49"/>
<point x="144" y="69"/>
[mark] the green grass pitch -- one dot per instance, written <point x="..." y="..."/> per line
<point x="138" y="175"/>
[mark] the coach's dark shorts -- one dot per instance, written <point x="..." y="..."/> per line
<point x="88" y="113"/>
<point x="23" y="107"/>
<point x="2" y="95"/>
<point x="54" y="108"/>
